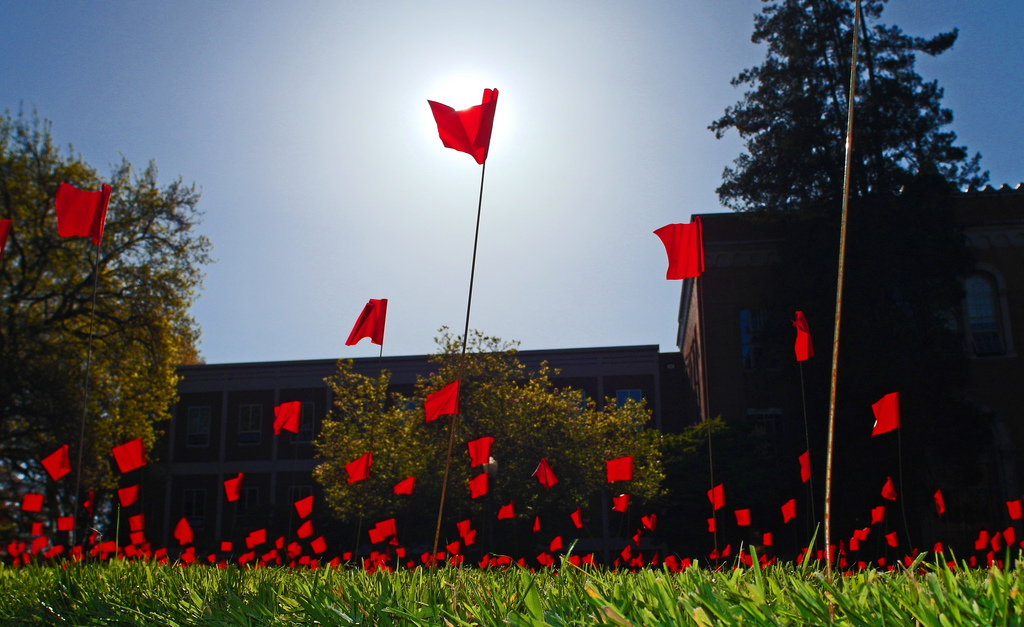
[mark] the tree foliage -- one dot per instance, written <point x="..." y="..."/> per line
<point x="793" y="115"/>
<point x="528" y="418"/>
<point x="149" y="269"/>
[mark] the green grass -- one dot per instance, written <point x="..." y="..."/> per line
<point x="136" y="593"/>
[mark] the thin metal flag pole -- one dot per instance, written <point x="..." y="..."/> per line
<point x="807" y="437"/>
<point x="462" y="366"/>
<point x="707" y="411"/>
<point x="839" y="293"/>
<point x="85" y="401"/>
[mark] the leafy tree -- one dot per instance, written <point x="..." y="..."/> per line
<point x="905" y="251"/>
<point x="149" y="269"/>
<point x="528" y="418"/>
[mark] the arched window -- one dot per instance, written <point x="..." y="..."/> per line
<point x="983" y="316"/>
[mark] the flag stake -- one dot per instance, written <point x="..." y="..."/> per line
<point x="85" y="401"/>
<point x="839" y="293"/>
<point x="813" y="522"/>
<point x="462" y="366"/>
<point x="707" y="410"/>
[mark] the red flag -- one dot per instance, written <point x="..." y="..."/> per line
<point x="57" y="463"/>
<point x="370" y="323"/>
<point x="620" y="469"/>
<point x="889" y="490"/>
<point x="137" y="522"/>
<point x="536" y="524"/>
<point x="256" y="538"/>
<point x="545" y="474"/>
<point x="304" y="506"/>
<point x="478" y="485"/>
<point x="891" y="540"/>
<point x="877" y="514"/>
<point x="225" y="547"/>
<point x="90" y="500"/>
<point x="81" y="213"/>
<point x="940" y="504"/>
<point x="65" y="523"/>
<point x="233" y="488"/>
<point x="318" y="545"/>
<point x="788" y="511"/>
<point x="359" y="469"/>
<point x="479" y="451"/>
<point x="404" y="486"/>
<point x="620" y="503"/>
<point x="805" y="466"/>
<point x="305" y="529"/>
<point x="684" y="244"/>
<point x="556" y="544"/>
<point x="982" y="541"/>
<point x="506" y="511"/>
<point x="742" y="517"/>
<point x="887" y="414"/>
<point x="577" y="518"/>
<point x="803" y="347"/>
<point x="32" y="502"/>
<point x="442" y="402"/>
<point x="183" y="531"/>
<point x="1015" y="509"/>
<point x="767" y="541"/>
<point x="130" y="455"/>
<point x="469" y="130"/>
<point x="287" y="417"/>
<point x="717" y="497"/>
<point x="649" y="521"/>
<point x="128" y="495"/>
<point x="5" y="228"/>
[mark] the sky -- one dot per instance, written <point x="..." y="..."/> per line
<point x="324" y="183"/>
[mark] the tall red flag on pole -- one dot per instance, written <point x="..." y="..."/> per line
<point x="370" y="323"/>
<point x="442" y="402"/>
<point x="130" y="455"/>
<point x="469" y="130"/>
<point x="803" y="347"/>
<point x="287" y="417"/>
<point x="887" y="414"/>
<point x="684" y="244"/>
<point x="81" y="213"/>
<point x="57" y="463"/>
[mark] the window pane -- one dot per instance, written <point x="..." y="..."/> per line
<point x="198" y="427"/>
<point x="982" y="320"/>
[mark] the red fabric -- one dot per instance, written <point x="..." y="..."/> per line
<point x="81" y="213"/>
<point x="767" y="540"/>
<point x="5" y="228"/>
<point x="318" y="545"/>
<point x="556" y="544"/>
<point x="478" y="485"/>
<point x="128" y="495"/>
<point x="137" y="522"/>
<point x="805" y="466"/>
<point x="742" y="517"/>
<point x="536" y="524"/>
<point x="889" y="490"/>
<point x="545" y="474"/>
<point x="1015" y="509"/>
<point x="233" y="488"/>
<point x="469" y="130"/>
<point x="464" y="527"/>
<point x="90" y="500"/>
<point x="649" y="521"/>
<point x="442" y="402"/>
<point x="577" y="518"/>
<point x="982" y="541"/>
<point x="940" y="503"/>
<point x="304" y="506"/>
<point x="287" y="417"/>
<point x="225" y="547"/>
<point x="37" y="528"/>
<point x="891" y="539"/>
<point x="1009" y="535"/>
<point x="620" y="503"/>
<point x="130" y="455"/>
<point x="256" y="538"/>
<point x="57" y="463"/>
<point x="65" y="523"/>
<point x="887" y="414"/>
<point x="370" y="323"/>
<point x="305" y="529"/>
<point x="803" y="348"/>
<point x="387" y="527"/>
<point x="620" y="469"/>
<point x="788" y="511"/>
<point x="861" y="534"/>
<point x="506" y="511"/>
<point x="32" y="502"/>
<point x="183" y="531"/>
<point x="479" y="451"/>
<point x="684" y="244"/>
<point x="877" y="514"/>
<point x="404" y="486"/>
<point x="359" y="469"/>
<point x="717" y="497"/>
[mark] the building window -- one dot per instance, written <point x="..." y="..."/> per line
<point x="765" y="421"/>
<point x="250" y="418"/>
<point x="983" y="316"/>
<point x="197" y="431"/>
<point x="193" y="506"/>
<point x="751" y="337"/>
<point x="307" y="422"/>
<point x="248" y="501"/>
<point x="621" y="396"/>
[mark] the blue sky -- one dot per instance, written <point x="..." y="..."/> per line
<point x="324" y="184"/>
